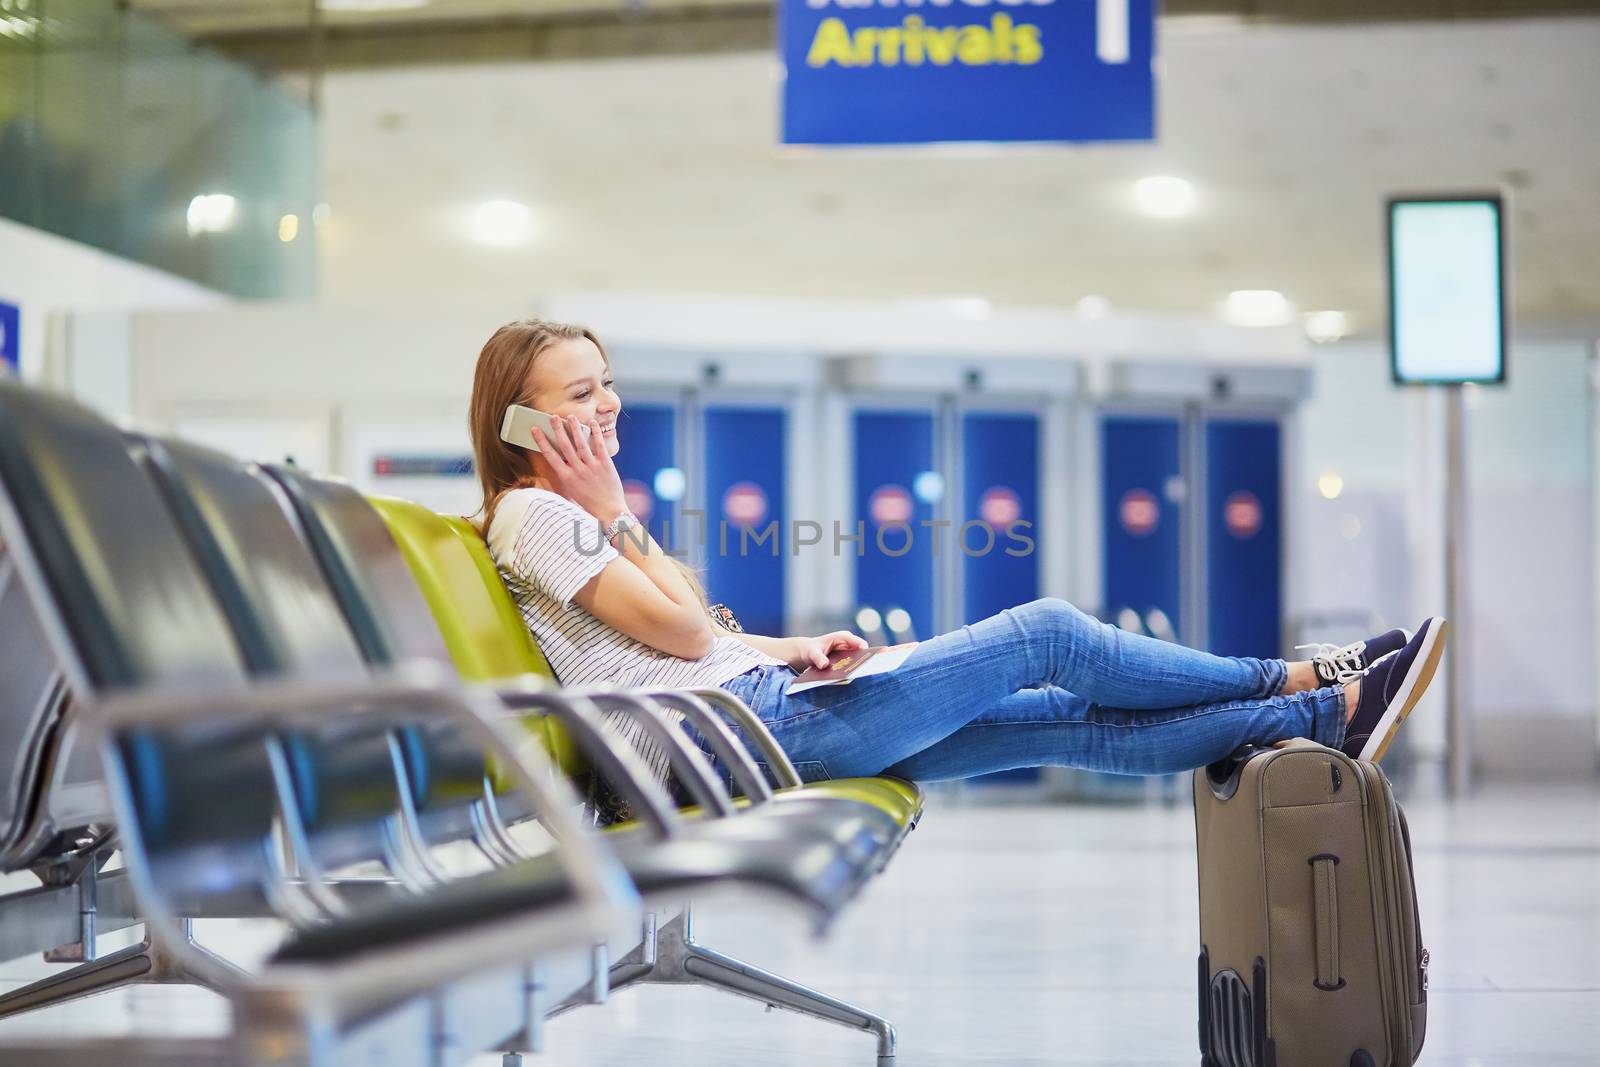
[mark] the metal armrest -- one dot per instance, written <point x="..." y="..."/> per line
<point x="601" y="887"/>
<point x="611" y="757"/>
<point x="686" y="759"/>
<point x="777" y="759"/>
<point x="723" y="740"/>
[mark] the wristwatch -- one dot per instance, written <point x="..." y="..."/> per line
<point x="623" y="522"/>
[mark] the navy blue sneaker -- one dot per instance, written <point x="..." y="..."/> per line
<point x="1337" y="665"/>
<point x="1391" y="689"/>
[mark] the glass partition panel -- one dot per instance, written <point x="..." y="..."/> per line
<point x="119" y="133"/>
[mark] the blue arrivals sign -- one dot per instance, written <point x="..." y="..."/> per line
<point x="918" y="71"/>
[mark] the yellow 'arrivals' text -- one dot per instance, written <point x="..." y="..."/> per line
<point x="914" y="43"/>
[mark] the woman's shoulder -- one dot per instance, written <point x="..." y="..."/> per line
<point x="517" y="506"/>
<point x="527" y="496"/>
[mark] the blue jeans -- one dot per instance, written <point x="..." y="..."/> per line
<point x="1037" y="685"/>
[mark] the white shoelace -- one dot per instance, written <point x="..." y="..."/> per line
<point x="1336" y="664"/>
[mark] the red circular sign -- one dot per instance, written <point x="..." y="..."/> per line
<point x="890" y="503"/>
<point x="1241" y="512"/>
<point x="744" y="504"/>
<point x="999" y="507"/>
<point x="638" y="497"/>
<point x="1139" y="512"/>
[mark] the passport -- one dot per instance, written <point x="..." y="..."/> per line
<point x="848" y="665"/>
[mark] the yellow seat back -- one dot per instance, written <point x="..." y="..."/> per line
<point x="482" y="628"/>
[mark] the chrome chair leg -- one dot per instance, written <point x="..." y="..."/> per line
<point x="531" y="1040"/>
<point x="679" y="960"/>
<point x="144" y="963"/>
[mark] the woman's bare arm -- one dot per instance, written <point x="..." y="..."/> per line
<point x="644" y="595"/>
<point x="777" y="647"/>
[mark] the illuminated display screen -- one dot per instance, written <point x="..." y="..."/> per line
<point x="1447" y="290"/>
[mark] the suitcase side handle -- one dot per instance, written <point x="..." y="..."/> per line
<point x="1325" y="889"/>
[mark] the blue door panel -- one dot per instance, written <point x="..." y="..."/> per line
<point x="1000" y="473"/>
<point x="744" y="487"/>
<point x="1000" y="484"/>
<point x="1244" y="602"/>
<point x="1142" y="527"/>
<point x="647" y="446"/>
<point x="891" y="449"/>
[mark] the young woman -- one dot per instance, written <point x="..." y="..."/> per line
<point x="1040" y="684"/>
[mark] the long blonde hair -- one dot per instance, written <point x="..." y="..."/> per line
<point x="503" y="377"/>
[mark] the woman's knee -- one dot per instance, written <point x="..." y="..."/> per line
<point x="1053" y="611"/>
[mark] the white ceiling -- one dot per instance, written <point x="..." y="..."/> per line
<point x="663" y="175"/>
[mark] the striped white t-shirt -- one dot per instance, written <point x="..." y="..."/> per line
<point x="547" y="548"/>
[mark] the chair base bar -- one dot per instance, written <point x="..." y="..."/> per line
<point x="669" y="955"/>
<point x="145" y="963"/>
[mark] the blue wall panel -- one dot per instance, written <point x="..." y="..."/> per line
<point x="1244" y="529"/>
<point x="1000" y="457"/>
<point x="1142" y="529"/>
<point x="744" y="450"/>
<point x="891" y="449"/>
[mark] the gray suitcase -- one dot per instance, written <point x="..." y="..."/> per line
<point x="1311" y="945"/>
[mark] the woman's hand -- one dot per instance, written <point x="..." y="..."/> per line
<point x="817" y="651"/>
<point x="581" y="467"/>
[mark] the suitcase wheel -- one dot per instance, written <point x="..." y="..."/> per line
<point x="1362" y="1058"/>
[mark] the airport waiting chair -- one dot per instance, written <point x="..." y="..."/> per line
<point x="194" y="787"/>
<point x="487" y="638"/>
<point x="116" y="623"/>
<point x="197" y="784"/>
<point x="34" y="690"/>
<point x="74" y="446"/>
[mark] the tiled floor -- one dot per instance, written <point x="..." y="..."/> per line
<point x="1066" y="936"/>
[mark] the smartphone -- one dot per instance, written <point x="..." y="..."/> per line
<point x="517" y="426"/>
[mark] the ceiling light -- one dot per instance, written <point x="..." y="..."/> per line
<point x="1330" y="484"/>
<point x="288" y="228"/>
<point x="1094" y="306"/>
<point x="211" y="213"/>
<point x="1325" y="327"/>
<point x="502" y="223"/>
<point x="1257" y="307"/>
<point x="1164" y="197"/>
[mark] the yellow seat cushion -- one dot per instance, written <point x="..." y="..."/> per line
<point x="482" y="628"/>
<point x="900" y="800"/>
